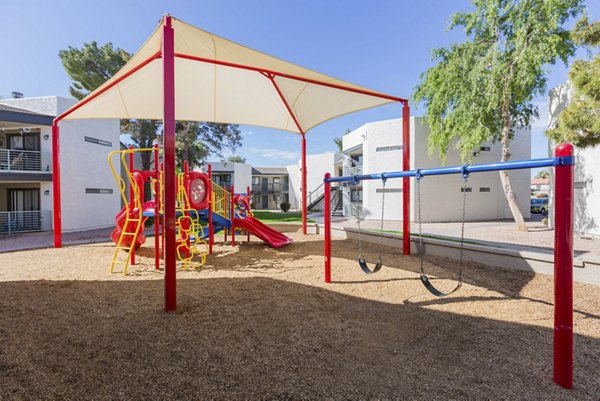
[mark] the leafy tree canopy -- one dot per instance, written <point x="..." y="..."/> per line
<point x="482" y="89"/>
<point x="579" y="122"/>
<point x="91" y="66"/>
<point x="236" y="159"/>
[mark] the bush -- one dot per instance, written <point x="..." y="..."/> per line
<point x="253" y="205"/>
<point x="285" y="206"/>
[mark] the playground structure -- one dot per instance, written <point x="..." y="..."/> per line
<point x="563" y="163"/>
<point x="203" y="209"/>
<point x="221" y="81"/>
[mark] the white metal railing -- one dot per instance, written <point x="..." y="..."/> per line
<point x="24" y="160"/>
<point x="24" y="222"/>
<point x="356" y="170"/>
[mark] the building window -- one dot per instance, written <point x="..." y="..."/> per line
<point x="467" y="189"/>
<point x="97" y="141"/>
<point x="275" y="180"/>
<point x="388" y="190"/>
<point x="98" y="191"/>
<point x="388" y="148"/>
<point x="485" y="189"/>
<point x="356" y="195"/>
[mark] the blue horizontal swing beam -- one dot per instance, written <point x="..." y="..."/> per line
<point x="464" y="169"/>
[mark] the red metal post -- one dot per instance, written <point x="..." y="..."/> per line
<point x="248" y="211"/>
<point x="304" y="194"/>
<point x="162" y="207"/>
<point x="57" y="210"/>
<point x="563" y="269"/>
<point x="156" y="210"/>
<point x="232" y="216"/>
<point x="168" y="53"/>
<point x="132" y="202"/>
<point x="327" y="212"/>
<point x="406" y="180"/>
<point x="211" y="228"/>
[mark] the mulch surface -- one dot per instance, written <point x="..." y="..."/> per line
<point x="258" y="323"/>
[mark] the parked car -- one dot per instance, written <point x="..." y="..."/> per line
<point x="539" y="205"/>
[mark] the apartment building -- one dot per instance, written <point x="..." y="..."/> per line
<point x="377" y="147"/>
<point x="90" y="197"/>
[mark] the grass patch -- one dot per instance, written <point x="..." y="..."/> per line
<point x="267" y="216"/>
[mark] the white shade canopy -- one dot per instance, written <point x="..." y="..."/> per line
<point x="217" y="80"/>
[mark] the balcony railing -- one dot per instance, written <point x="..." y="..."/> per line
<point x="24" y="222"/>
<point x="24" y="160"/>
<point x="270" y="188"/>
<point x="357" y="170"/>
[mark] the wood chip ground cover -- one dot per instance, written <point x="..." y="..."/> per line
<point x="258" y="323"/>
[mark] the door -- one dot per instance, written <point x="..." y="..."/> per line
<point x="265" y="202"/>
<point x="265" y="186"/>
<point x="24" y="205"/>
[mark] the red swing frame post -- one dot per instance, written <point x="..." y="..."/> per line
<point x="327" y="223"/>
<point x="563" y="268"/>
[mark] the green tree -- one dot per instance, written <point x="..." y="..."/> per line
<point x="482" y="89"/>
<point x="196" y="141"/>
<point x="91" y="66"/>
<point x="579" y="122"/>
<point x="236" y="159"/>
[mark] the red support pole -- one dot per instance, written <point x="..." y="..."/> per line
<point x="156" y="210"/>
<point x="132" y="201"/>
<point x="248" y="211"/>
<point x="211" y="228"/>
<point x="57" y="210"/>
<point x="563" y="269"/>
<point x="232" y="216"/>
<point x="406" y="180"/>
<point x="168" y="52"/>
<point x="304" y="194"/>
<point x="327" y="212"/>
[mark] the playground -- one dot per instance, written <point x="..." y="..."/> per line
<point x="251" y="311"/>
<point x="257" y="322"/>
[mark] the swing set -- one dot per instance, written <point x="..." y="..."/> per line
<point x="563" y="164"/>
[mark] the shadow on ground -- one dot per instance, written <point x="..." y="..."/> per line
<point x="262" y="338"/>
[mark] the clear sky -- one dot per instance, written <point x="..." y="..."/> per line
<point x="381" y="45"/>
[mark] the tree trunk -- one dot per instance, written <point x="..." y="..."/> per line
<point x="511" y="197"/>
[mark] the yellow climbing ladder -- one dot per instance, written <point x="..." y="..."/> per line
<point x="133" y="210"/>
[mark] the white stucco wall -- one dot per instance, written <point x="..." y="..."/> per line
<point x="587" y="170"/>
<point x="294" y="185"/>
<point x="83" y="165"/>
<point x="441" y="196"/>
<point x="242" y="177"/>
<point x="316" y="166"/>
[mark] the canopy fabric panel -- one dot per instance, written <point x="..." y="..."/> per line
<point x="217" y="80"/>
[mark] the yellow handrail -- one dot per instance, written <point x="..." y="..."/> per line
<point x="221" y="201"/>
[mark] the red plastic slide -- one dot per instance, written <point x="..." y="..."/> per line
<point x="120" y="222"/>
<point x="272" y="237"/>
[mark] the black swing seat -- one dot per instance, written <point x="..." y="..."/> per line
<point x="435" y="291"/>
<point x="365" y="268"/>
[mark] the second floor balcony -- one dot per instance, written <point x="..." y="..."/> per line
<point x="25" y="161"/>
